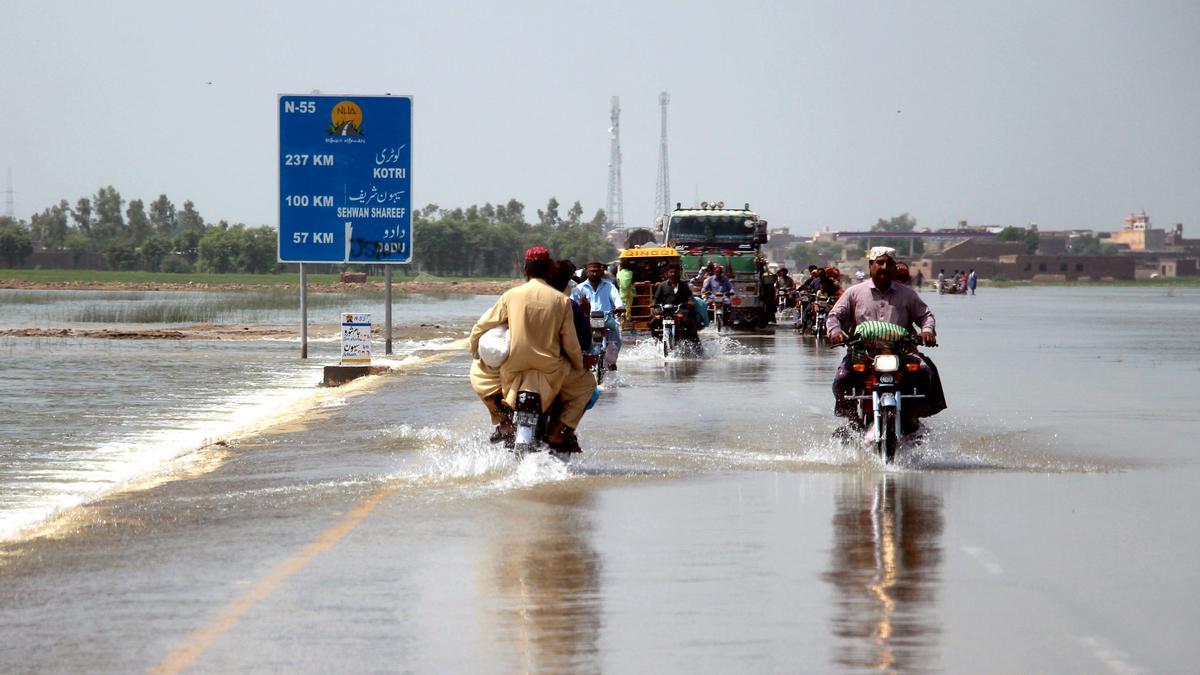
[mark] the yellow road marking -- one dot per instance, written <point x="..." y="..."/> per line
<point x="199" y="641"/>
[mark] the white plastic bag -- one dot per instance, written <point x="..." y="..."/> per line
<point x="493" y="346"/>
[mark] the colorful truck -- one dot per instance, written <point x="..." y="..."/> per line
<point x="732" y="238"/>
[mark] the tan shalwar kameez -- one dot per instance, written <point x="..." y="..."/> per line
<point x="543" y="354"/>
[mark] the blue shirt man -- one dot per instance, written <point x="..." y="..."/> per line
<point x="718" y="283"/>
<point x="603" y="296"/>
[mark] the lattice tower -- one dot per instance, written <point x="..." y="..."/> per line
<point x="616" y="199"/>
<point x="662" y="191"/>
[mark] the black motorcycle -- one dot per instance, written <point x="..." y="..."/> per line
<point x="530" y="429"/>
<point x="671" y="327"/>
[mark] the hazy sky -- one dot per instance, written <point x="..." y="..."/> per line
<point x="1070" y="114"/>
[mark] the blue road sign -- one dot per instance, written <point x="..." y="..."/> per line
<point x="345" y="179"/>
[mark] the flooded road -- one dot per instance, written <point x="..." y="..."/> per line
<point x="710" y="525"/>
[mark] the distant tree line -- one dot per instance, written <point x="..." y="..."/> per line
<point x="490" y="240"/>
<point x="132" y="236"/>
<point x="487" y="240"/>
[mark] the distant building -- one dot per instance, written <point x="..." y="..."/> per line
<point x="1138" y="234"/>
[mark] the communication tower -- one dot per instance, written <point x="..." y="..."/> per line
<point x="662" y="192"/>
<point x="616" y="200"/>
<point x="9" y="205"/>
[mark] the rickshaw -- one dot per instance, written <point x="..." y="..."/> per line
<point x="647" y="264"/>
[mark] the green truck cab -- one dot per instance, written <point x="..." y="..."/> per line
<point x="732" y="238"/>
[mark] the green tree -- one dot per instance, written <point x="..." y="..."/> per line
<point x="109" y="225"/>
<point x="512" y="213"/>
<point x="258" y="254"/>
<point x="1029" y="236"/>
<point x="83" y="216"/>
<point x="900" y="223"/>
<point x="163" y="217"/>
<point x="122" y="255"/>
<point x="139" y="227"/>
<point x="189" y="219"/>
<point x="597" y="222"/>
<point x="152" y="252"/>
<point x="548" y="219"/>
<point x="820" y="253"/>
<point x="216" y="251"/>
<point x="186" y="244"/>
<point x="107" y="203"/>
<point x="77" y="243"/>
<point x="15" y="242"/>
<point x="49" y="228"/>
<point x="575" y="214"/>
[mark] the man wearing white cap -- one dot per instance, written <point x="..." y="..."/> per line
<point x="878" y="299"/>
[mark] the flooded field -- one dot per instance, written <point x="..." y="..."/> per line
<point x="168" y="505"/>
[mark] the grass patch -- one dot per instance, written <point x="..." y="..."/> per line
<point x="10" y="297"/>
<point x="135" y="277"/>
<point x="185" y="309"/>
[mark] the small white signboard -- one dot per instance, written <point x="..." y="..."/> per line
<point x="356" y="339"/>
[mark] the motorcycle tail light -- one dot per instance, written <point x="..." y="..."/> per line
<point x="912" y="366"/>
<point x="859" y="367"/>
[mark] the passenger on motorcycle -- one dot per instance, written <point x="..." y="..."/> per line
<point x="880" y="299"/>
<point x="673" y="291"/>
<point x="831" y="282"/>
<point x="718" y="283"/>
<point x="543" y="352"/>
<point x="705" y="272"/>
<point x="603" y="296"/>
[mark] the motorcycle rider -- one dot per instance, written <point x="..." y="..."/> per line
<point x="703" y="274"/>
<point x="673" y="291"/>
<point x="543" y="351"/>
<point x="830" y="282"/>
<point x="880" y="299"/>
<point x="602" y="296"/>
<point x="718" y="282"/>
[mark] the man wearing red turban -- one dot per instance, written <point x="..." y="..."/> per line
<point x="543" y="349"/>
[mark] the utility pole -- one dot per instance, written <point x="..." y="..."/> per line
<point x="616" y="199"/>
<point x="662" y="191"/>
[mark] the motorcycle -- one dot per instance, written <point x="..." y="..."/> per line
<point x="716" y="308"/>
<point x="599" y="323"/>
<point x="785" y="300"/>
<point x="671" y="327"/>
<point x="530" y="426"/>
<point x="880" y="403"/>
<point x="820" y="314"/>
<point x="669" y="316"/>
<point x="804" y="303"/>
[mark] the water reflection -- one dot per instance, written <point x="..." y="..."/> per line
<point x="885" y="570"/>
<point x="545" y="581"/>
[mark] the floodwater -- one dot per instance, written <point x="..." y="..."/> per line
<point x="711" y="524"/>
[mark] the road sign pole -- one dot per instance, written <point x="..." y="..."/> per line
<point x="387" y="314"/>
<point x="303" y="312"/>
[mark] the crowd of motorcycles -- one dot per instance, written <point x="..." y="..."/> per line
<point x="887" y="358"/>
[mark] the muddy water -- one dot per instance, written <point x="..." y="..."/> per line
<point x="711" y="523"/>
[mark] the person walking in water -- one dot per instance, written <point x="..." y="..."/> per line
<point x="971" y="280"/>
